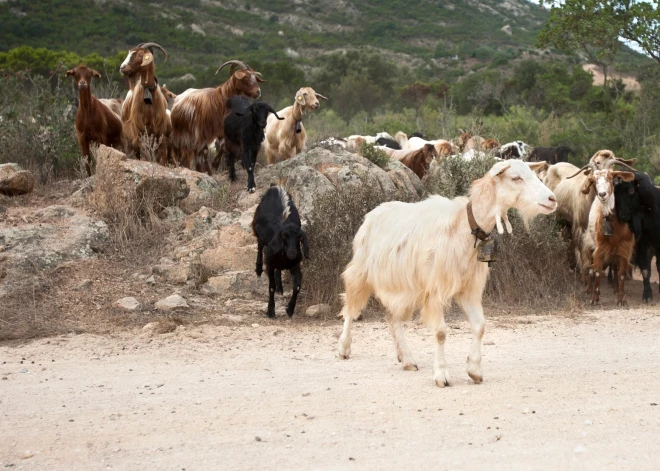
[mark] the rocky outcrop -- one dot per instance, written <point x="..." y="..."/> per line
<point x="38" y="240"/>
<point x="14" y="180"/>
<point x="122" y="181"/>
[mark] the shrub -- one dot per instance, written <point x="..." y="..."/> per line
<point x="375" y="155"/>
<point x="454" y="175"/>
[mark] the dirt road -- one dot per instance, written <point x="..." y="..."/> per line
<point x="558" y="393"/>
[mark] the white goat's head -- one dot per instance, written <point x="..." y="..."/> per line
<point x="308" y="98"/>
<point x="516" y="185"/>
<point x="604" y="180"/>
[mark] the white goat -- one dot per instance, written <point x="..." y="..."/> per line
<point x="354" y="142"/>
<point x="286" y="139"/>
<point x="421" y="256"/>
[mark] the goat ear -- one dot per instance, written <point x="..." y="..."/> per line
<point x="240" y="75"/>
<point x="147" y="59"/>
<point x="538" y="167"/>
<point x="305" y="244"/>
<point x="587" y="187"/>
<point x="319" y="96"/>
<point x="70" y="72"/>
<point x="300" y="98"/>
<point x="96" y="73"/>
<point x="277" y="242"/>
<point x="624" y="176"/>
<point x="498" y="169"/>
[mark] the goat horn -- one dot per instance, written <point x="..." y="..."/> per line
<point x="236" y="63"/>
<point x="611" y="163"/>
<point x="589" y="165"/>
<point x="151" y="46"/>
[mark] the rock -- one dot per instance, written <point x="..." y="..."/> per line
<point x="162" y="326"/>
<point x="580" y="449"/>
<point x="53" y="235"/>
<point x="172" y="214"/>
<point x="507" y="29"/>
<point x="171" y="303"/>
<point x="232" y="280"/>
<point x="84" y="284"/>
<point x="14" y="180"/>
<point x="177" y="273"/>
<point x="151" y="281"/>
<point x="318" y="310"/>
<point x="128" y="304"/>
<point x="319" y="170"/>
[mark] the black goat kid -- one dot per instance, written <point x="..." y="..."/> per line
<point x="244" y="132"/>
<point x="276" y="225"/>
<point x="638" y="204"/>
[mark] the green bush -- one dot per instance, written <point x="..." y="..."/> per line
<point x="375" y="155"/>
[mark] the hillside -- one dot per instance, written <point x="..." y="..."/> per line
<point x="275" y="29"/>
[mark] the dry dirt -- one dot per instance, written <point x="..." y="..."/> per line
<point x="560" y="392"/>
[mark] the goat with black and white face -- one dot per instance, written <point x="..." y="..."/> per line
<point x="244" y="132"/>
<point x="638" y="205"/>
<point x="277" y="226"/>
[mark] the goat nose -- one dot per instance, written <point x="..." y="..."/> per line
<point x="552" y="198"/>
<point x="602" y="194"/>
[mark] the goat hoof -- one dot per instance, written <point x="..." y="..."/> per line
<point x="442" y="379"/>
<point x="475" y="373"/>
<point x="410" y="367"/>
<point x="289" y="311"/>
<point x="271" y="313"/>
<point x="251" y="190"/>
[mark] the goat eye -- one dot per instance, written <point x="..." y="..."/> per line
<point x="517" y="179"/>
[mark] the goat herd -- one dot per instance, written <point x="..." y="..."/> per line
<point x="411" y="256"/>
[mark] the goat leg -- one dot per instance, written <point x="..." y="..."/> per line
<point x="643" y="261"/>
<point x="229" y="159"/>
<point x="248" y="164"/>
<point x="297" y="281"/>
<point x="278" y="281"/>
<point x="271" y="293"/>
<point x="598" y="271"/>
<point x="87" y="158"/>
<point x="259" y="269"/>
<point x="622" y="269"/>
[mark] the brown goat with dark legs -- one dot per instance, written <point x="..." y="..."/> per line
<point x="198" y="114"/>
<point x="95" y="122"/>
<point x="607" y="239"/>
<point x="146" y="109"/>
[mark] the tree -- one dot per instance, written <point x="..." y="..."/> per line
<point x="588" y="25"/>
<point x="640" y="24"/>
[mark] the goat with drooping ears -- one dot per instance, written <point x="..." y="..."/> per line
<point x="145" y="112"/>
<point x="244" y="132"/>
<point x="95" y="122"/>
<point x="601" y="246"/>
<point x="422" y="256"/>
<point x="286" y="139"/>
<point x="279" y="233"/>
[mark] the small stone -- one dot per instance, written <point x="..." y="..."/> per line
<point x="27" y="455"/>
<point x="490" y="342"/>
<point x="84" y="284"/>
<point x="525" y="410"/>
<point x="588" y="422"/>
<point x="305" y="394"/>
<point x="128" y="304"/>
<point x="24" y="370"/>
<point x="151" y="281"/>
<point x="580" y="449"/>
<point x="257" y="439"/>
<point x="255" y="325"/>
<point x="171" y="303"/>
<point x="318" y="310"/>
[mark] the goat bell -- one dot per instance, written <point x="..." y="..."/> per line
<point x="487" y="251"/>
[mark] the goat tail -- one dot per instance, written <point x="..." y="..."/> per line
<point x="357" y="292"/>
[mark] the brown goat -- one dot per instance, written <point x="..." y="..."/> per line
<point x="462" y="140"/>
<point x="490" y="144"/>
<point x="169" y="96"/>
<point x="95" y="122"/>
<point x="198" y="114"/>
<point x="146" y="110"/>
<point x="598" y="247"/>
<point x="419" y="160"/>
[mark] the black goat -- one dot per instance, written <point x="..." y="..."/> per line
<point x="552" y="155"/>
<point x="276" y="225"/>
<point x="638" y="204"/>
<point x="244" y="132"/>
<point x="391" y="143"/>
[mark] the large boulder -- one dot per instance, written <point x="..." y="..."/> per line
<point x="123" y="181"/>
<point x="319" y="170"/>
<point x="39" y="240"/>
<point x="14" y="180"/>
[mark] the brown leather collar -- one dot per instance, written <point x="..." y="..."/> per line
<point x="477" y="231"/>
